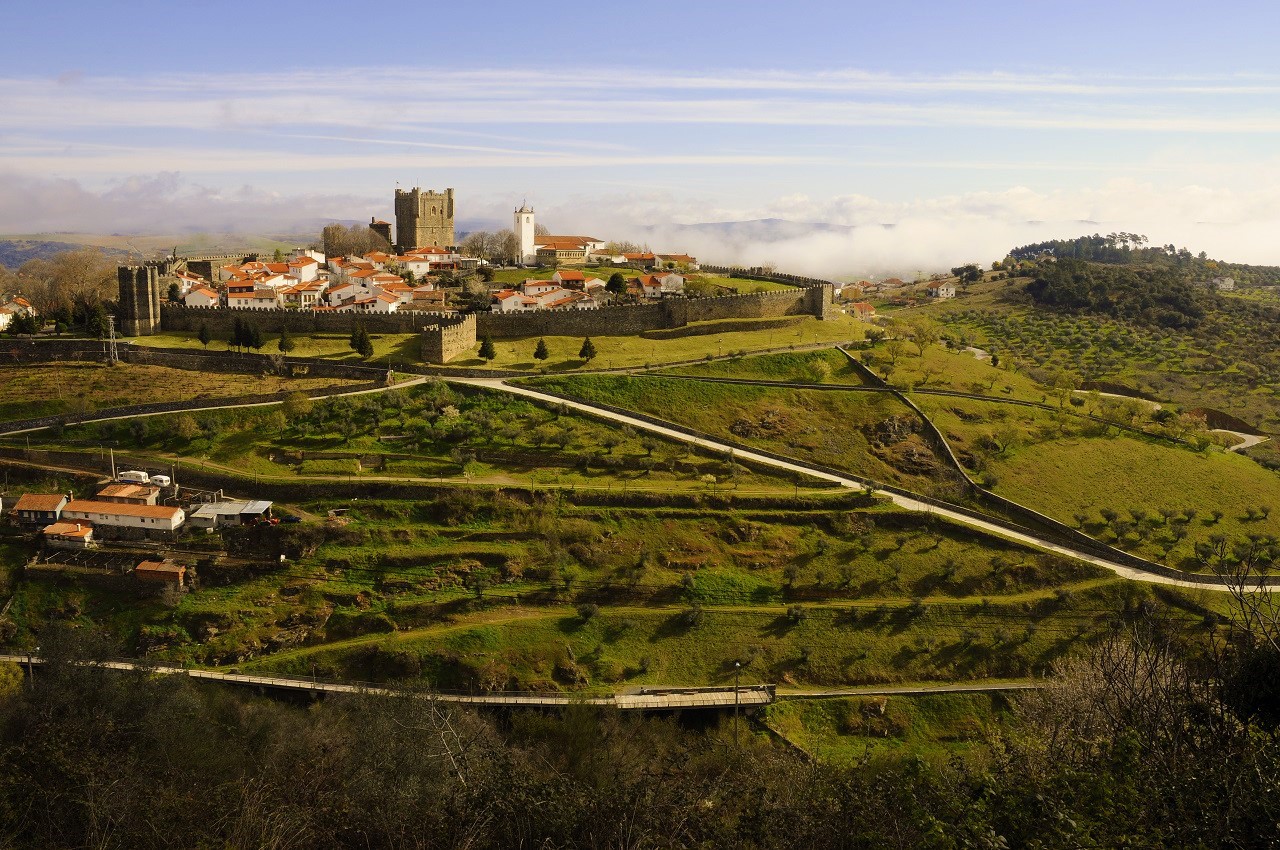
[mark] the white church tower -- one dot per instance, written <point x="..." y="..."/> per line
<point x="524" y="233"/>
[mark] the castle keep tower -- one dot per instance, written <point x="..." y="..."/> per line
<point x="424" y="218"/>
<point x="524" y="233"/>
<point x="139" y="299"/>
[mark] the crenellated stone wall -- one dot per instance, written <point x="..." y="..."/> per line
<point x="446" y="340"/>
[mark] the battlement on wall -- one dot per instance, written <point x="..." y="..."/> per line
<point x="442" y="342"/>
<point x="179" y="317"/>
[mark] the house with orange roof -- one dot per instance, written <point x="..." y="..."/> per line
<point x="509" y="301"/>
<point x="302" y="295"/>
<point x="305" y="269"/>
<point x="68" y="535"/>
<point x="254" y="299"/>
<point x="39" y="508"/>
<point x="685" y="260"/>
<point x="202" y="296"/>
<point x="161" y="518"/>
<point x="661" y="285"/>
<point x="862" y="310"/>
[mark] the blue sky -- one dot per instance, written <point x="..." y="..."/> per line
<point x="963" y="125"/>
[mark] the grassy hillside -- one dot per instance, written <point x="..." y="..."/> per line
<point x="871" y="434"/>
<point x="52" y="388"/>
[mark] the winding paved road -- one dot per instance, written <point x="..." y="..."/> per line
<point x="910" y="504"/>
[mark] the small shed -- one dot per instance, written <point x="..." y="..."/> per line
<point x="165" y="571"/>
<point x="220" y="514"/>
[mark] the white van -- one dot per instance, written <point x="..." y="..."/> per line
<point x="134" y="477"/>
<point x="161" y="480"/>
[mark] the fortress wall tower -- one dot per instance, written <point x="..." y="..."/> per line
<point x="139" y="299"/>
<point x="524" y="233"/>
<point x="424" y="218"/>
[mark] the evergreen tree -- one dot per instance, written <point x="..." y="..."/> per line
<point x="203" y="335"/>
<point x="540" y="352"/>
<point x="175" y="293"/>
<point x="617" y="283"/>
<point x="95" y="322"/>
<point x="486" y="349"/>
<point x="237" y="334"/>
<point x="360" y="342"/>
<point x="286" y="343"/>
<point x="588" y="350"/>
<point x="254" y="335"/>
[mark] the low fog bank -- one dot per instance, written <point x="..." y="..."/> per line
<point x="839" y="237"/>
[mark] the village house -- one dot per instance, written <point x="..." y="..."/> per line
<point x="6" y="317"/>
<point x="941" y="290"/>
<point x="509" y="301"/>
<point x="661" y="285"/>
<point x="255" y="299"/>
<point x="862" y="310"/>
<point x="305" y="269"/>
<point x="684" y="260"/>
<point x="147" y="517"/>
<point x="39" y="508"/>
<point x="68" y="535"/>
<point x="202" y="295"/>
<point x="129" y="494"/>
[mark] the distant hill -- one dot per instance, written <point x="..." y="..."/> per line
<point x="15" y="252"/>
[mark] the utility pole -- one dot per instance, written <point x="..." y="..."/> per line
<point x="737" y="668"/>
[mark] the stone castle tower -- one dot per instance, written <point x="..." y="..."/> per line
<point x="524" y="233"/>
<point x="424" y="218"/>
<point x="139" y="312"/>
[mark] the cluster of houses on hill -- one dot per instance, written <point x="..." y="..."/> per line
<point x="133" y="510"/>
<point x="386" y="283"/>
<point x="571" y="289"/>
<point x="375" y="283"/>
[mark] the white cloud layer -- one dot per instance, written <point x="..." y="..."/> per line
<point x="869" y="236"/>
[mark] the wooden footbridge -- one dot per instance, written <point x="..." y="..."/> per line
<point x="641" y="699"/>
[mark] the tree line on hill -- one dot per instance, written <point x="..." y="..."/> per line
<point x="1155" y="738"/>
<point x="70" y="289"/>
<point x="1134" y="248"/>
<point x="1150" y="295"/>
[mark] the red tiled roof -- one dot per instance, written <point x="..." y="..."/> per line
<point x="68" y="529"/>
<point x="153" y="511"/>
<point x="40" y="502"/>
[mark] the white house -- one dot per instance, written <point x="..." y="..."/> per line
<point x="202" y="296"/>
<point x="149" y="517"/>
<point x="258" y="299"/>
<point x="69" y="535"/>
<point x="508" y="301"/>
<point x="941" y="290"/>
<point x="535" y="288"/>
<point x="659" y="285"/>
<point x="6" y="316"/>
<point x="1224" y="284"/>
<point x="305" y="269"/>
<point x="188" y="281"/>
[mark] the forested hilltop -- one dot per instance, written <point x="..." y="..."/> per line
<point x="1150" y="295"/>
<point x="1133" y="248"/>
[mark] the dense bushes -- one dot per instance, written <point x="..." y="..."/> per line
<point x="1128" y="748"/>
<point x="1152" y="296"/>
